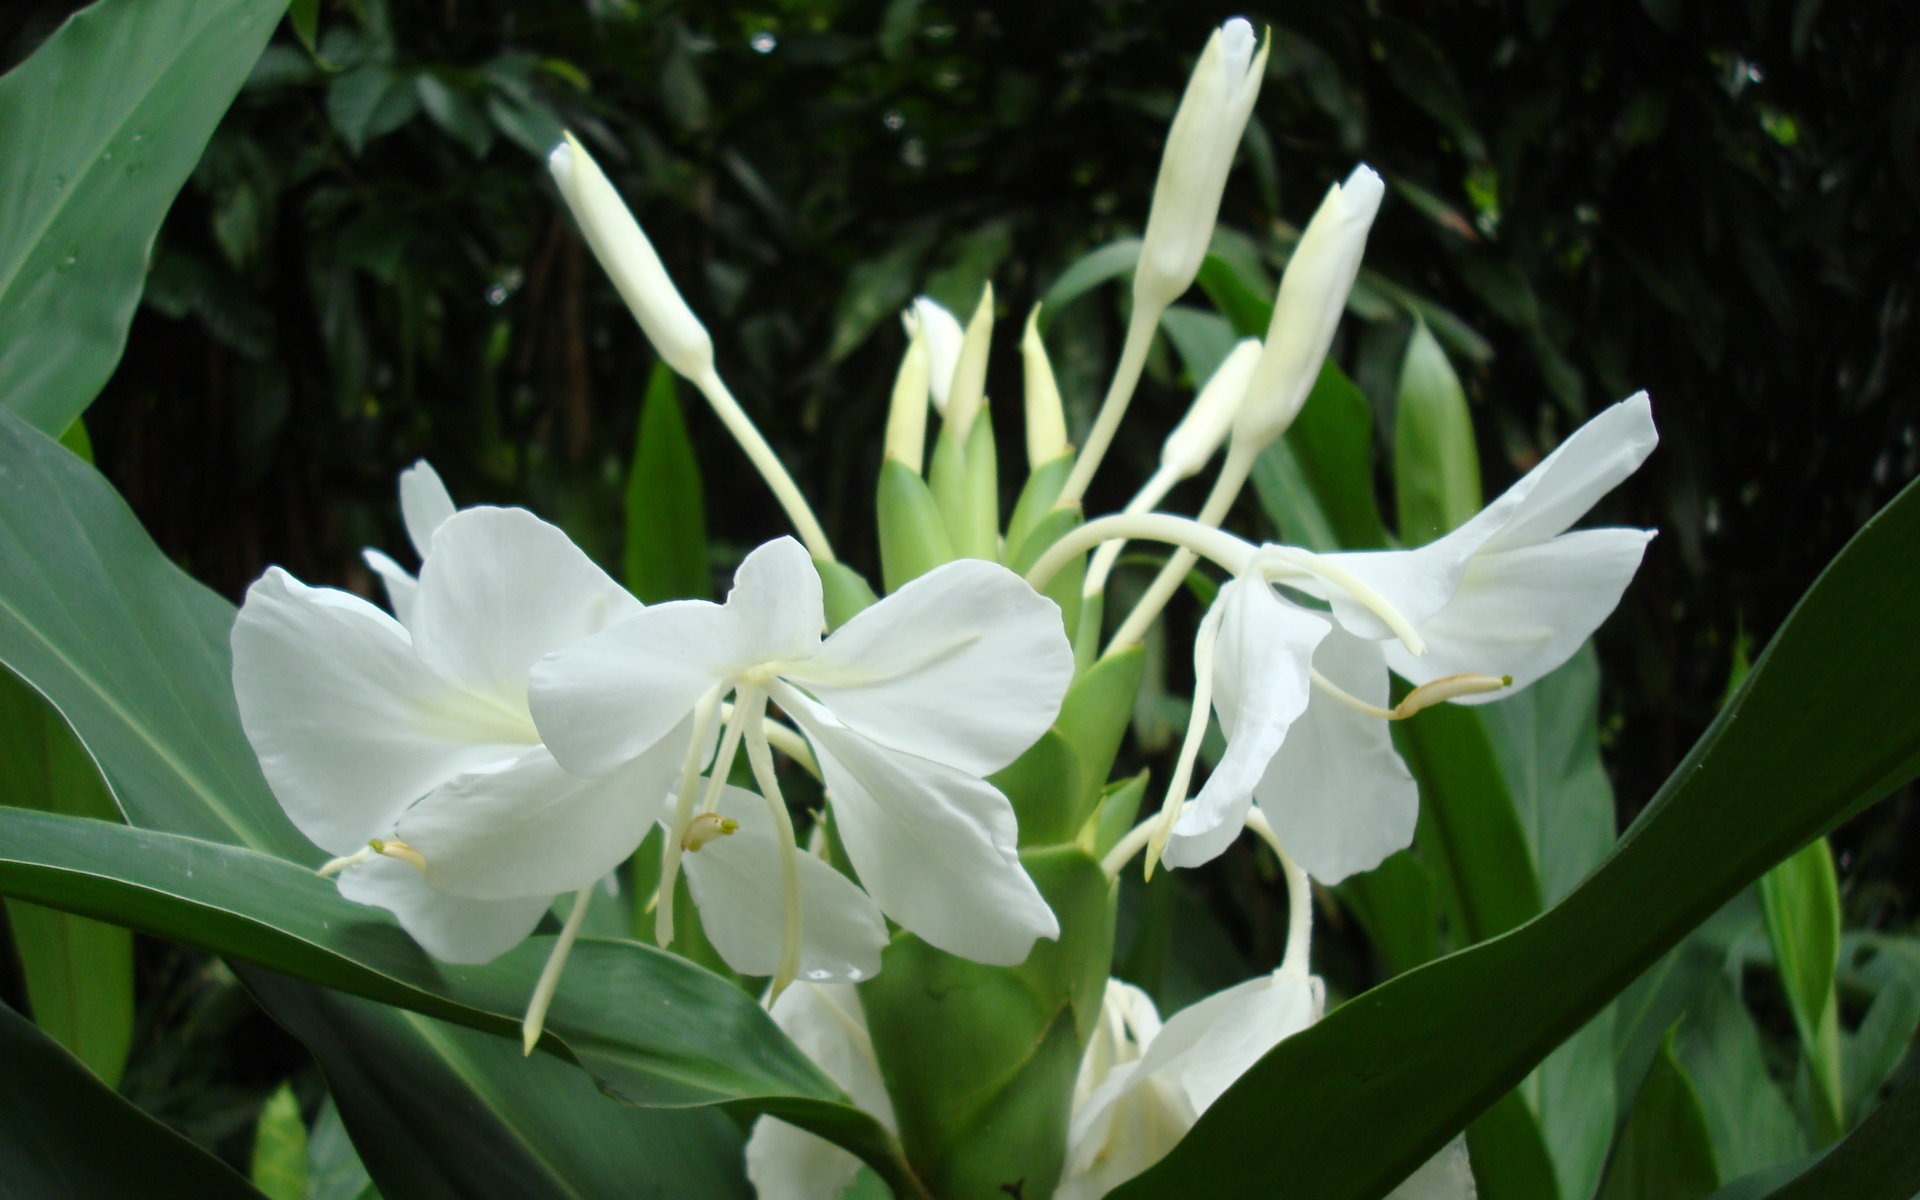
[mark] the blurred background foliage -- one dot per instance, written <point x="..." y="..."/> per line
<point x="1717" y="202"/>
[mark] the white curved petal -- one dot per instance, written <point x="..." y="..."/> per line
<point x="1260" y="687"/>
<point x="1204" y="1047"/>
<point x="736" y="883"/>
<point x="1337" y="793"/>
<point x="776" y="603"/>
<point x="453" y="929"/>
<point x="605" y="700"/>
<point x="501" y="589"/>
<point x="424" y="505"/>
<point x="944" y="338"/>
<point x="399" y="583"/>
<point x="349" y="725"/>
<point x="1593" y="461"/>
<point x="966" y="666"/>
<point x="1448" y="1175"/>
<point x="935" y="847"/>
<point x="1129" y="1123"/>
<point x="828" y="1024"/>
<point x="532" y="829"/>
<point x="1523" y="612"/>
<point x="1417" y="583"/>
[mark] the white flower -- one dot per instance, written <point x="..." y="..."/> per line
<point x="907" y="706"/>
<point x="1493" y="606"/>
<point x="1313" y="294"/>
<point x="419" y="733"/>
<point x="424" y="505"/>
<point x="1206" y="132"/>
<point x="828" y="1024"/>
<point x="940" y="331"/>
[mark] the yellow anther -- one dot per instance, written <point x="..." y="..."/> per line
<point x="394" y="848"/>
<point x="1450" y="687"/>
<point x="705" y="828"/>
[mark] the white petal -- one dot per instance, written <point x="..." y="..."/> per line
<point x="944" y="339"/>
<point x="1523" y="612"/>
<point x="1448" y="1175"/>
<point x="828" y="1024"/>
<point x="1129" y="1123"/>
<point x="736" y="882"/>
<point x="936" y="848"/>
<point x="501" y="588"/>
<point x="349" y="725"/>
<point x="424" y="505"/>
<point x="1589" y="464"/>
<point x="399" y="583"/>
<point x="454" y="929"/>
<point x="532" y="829"/>
<point x="966" y="666"/>
<point x="1337" y="793"/>
<point x="605" y="700"/>
<point x="1260" y="686"/>
<point x="1204" y="1047"/>
<point x="776" y="603"/>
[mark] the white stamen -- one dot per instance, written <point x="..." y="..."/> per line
<point x="536" y="1017"/>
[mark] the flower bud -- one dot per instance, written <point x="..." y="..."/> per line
<point x="1046" y="421"/>
<point x="970" y="371"/>
<point x="907" y="415"/>
<point x="943" y="338"/>
<point x="1193" y="169"/>
<point x="1199" y="433"/>
<point x="629" y="259"/>
<point x="1313" y="294"/>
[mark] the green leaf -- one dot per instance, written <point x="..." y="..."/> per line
<point x="369" y="102"/>
<point x="1316" y="483"/>
<point x="1034" y="505"/>
<point x="964" y="481"/>
<point x="64" y="1135"/>
<point x="334" y="1169"/>
<point x="279" y="1166"/>
<point x="844" y="591"/>
<point x="98" y="132"/>
<point x="1094" y="718"/>
<point x="621" y="1010"/>
<point x="876" y="289"/>
<point x="1398" y="904"/>
<point x="1664" y="1152"/>
<point x="1436" y="469"/>
<point x="666" y="513"/>
<point x="1801" y="900"/>
<point x="1087" y="272"/>
<point x="1361" y="1099"/>
<point x="1116" y="812"/>
<point x="913" y="534"/>
<point x="980" y="1061"/>
<point x="1245" y="309"/>
<point x="78" y="973"/>
<point x="1044" y="785"/>
<point x="1509" y="1155"/>
<point x="1874" y="1162"/>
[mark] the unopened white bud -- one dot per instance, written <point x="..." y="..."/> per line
<point x="1193" y="170"/>
<point x="629" y="259"/>
<point x="943" y="339"/>
<point x="1046" y="420"/>
<point x="1199" y="433"/>
<point x="1313" y="294"/>
<point x="970" y="372"/>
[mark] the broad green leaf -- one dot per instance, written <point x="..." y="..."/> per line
<point x="621" y="1010"/>
<point x="1316" y="483"/>
<point x="1875" y="1048"/>
<point x="78" y="973"/>
<point x="64" y="1135"/>
<point x="1664" y="1152"/>
<point x="1088" y="272"/>
<point x="1248" y="311"/>
<point x="1752" y="1124"/>
<point x="1509" y="1155"/>
<point x="1789" y="756"/>
<point x="876" y="289"/>
<point x="1874" y="1162"/>
<point x="979" y="1060"/>
<point x="334" y="1169"/>
<point x="1202" y="339"/>
<point x="666" y="555"/>
<point x="1436" y="469"/>
<point x="279" y="1167"/>
<point x="1801" y="900"/>
<point x="1398" y="904"/>
<point x="99" y="130"/>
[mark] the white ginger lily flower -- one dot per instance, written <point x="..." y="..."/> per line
<point x="1490" y="607"/>
<point x="424" y="505"/>
<point x="944" y="337"/>
<point x="907" y="707"/>
<point x="828" y="1024"/>
<point x="417" y="735"/>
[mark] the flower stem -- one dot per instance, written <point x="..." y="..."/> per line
<point x="1197" y="539"/>
<point x="1299" y="896"/>
<point x="1126" y="377"/>
<point x="760" y="756"/>
<point x="767" y="463"/>
<point x="1157" y="486"/>
<point x="1226" y="488"/>
<point x="1189" y="746"/>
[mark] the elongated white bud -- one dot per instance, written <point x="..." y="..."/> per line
<point x="629" y="259"/>
<point x="970" y="372"/>
<point x="1313" y="294"/>
<point x="943" y="337"/>
<point x="1199" y="433"/>
<point x="1193" y="169"/>
<point x="907" y="415"/>
<point x="1046" y="420"/>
